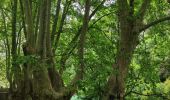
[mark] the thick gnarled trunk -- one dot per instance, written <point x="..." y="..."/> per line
<point x="40" y="80"/>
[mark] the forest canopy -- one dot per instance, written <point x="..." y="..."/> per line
<point x="84" y="49"/>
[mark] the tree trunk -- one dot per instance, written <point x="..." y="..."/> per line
<point x="130" y="25"/>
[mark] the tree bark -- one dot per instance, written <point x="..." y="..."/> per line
<point x="15" y="88"/>
<point x="127" y="44"/>
<point x="131" y="25"/>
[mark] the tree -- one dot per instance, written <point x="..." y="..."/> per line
<point x="131" y="25"/>
<point x="41" y="80"/>
<point x="56" y="50"/>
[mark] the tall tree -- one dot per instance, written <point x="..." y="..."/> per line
<point x="131" y="25"/>
<point x="41" y="81"/>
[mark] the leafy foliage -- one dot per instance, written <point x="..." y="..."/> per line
<point x="100" y="48"/>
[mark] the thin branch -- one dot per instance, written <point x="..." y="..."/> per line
<point x="97" y="8"/>
<point x="55" y="20"/>
<point x="153" y="23"/>
<point x="23" y="20"/>
<point x="65" y="11"/>
<point x="80" y="72"/>
<point x="100" y="19"/>
<point x="131" y="7"/>
<point x="14" y="29"/>
<point x="7" y="46"/>
<point x="103" y="32"/>
<point x="73" y="42"/>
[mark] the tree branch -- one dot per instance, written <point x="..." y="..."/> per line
<point x="73" y="42"/>
<point x="29" y="22"/>
<point x="123" y="6"/>
<point x="62" y="23"/>
<point x="80" y="72"/>
<point x="55" y="20"/>
<point x="97" y="8"/>
<point x="143" y="9"/>
<point x="131" y="7"/>
<point x="100" y="19"/>
<point x="153" y="23"/>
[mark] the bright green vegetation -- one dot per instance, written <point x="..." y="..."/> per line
<point x="85" y="49"/>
